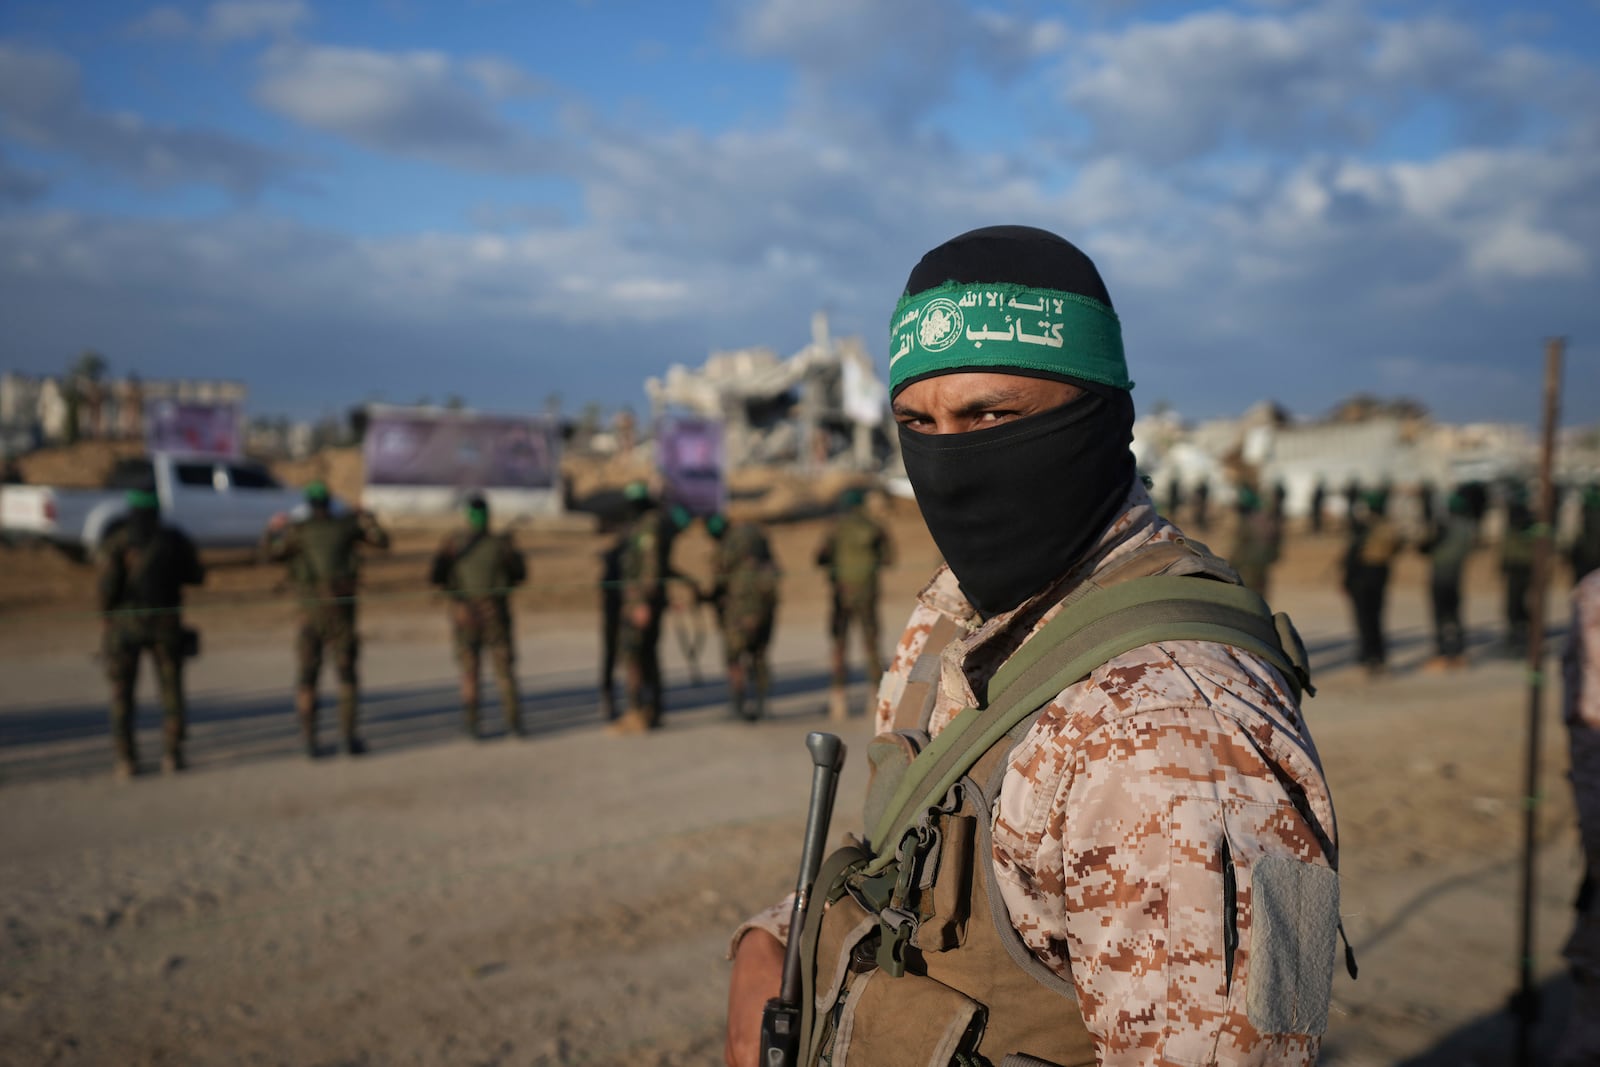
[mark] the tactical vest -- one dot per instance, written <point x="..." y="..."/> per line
<point x="915" y="962"/>
<point x="327" y="559"/>
<point x="484" y="566"/>
<point x="857" y="550"/>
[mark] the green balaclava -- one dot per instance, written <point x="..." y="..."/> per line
<point x="317" y="495"/>
<point x="851" y="499"/>
<point x="477" y="513"/>
<point x="1249" y="501"/>
<point x="716" y="525"/>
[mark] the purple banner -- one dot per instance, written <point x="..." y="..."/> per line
<point x="689" y="457"/>
<point x="187" y="426"/>
<point x="461" y="450"/>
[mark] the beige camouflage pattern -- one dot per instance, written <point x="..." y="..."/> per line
<point x="1581" y="707"/>
<point x="1112" y="813"/>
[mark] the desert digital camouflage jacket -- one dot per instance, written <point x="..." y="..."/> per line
<point x="1121" y="807"/>
<point x="1582" y="660"/>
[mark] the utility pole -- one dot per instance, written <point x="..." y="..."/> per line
<point x="1525" y="1002"/>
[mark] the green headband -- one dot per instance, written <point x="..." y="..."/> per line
<point x="143" y="500"/>
<point x="959" y="326"/>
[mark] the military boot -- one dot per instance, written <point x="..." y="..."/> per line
<point x="634" y="721"/>
<point x="305" y="710"/>
<point x="172" y="760"/>
<point x="350" y="742"/>
<point x="470" y="722"/>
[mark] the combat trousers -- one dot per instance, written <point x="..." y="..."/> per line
<point x="610" y="637"/>
<point x="125" y="645"/>
<point x="1450" y="639"/>
<point x="328" y="626"/>
<point x="1366" y="586"/>
<point x="641" y="662"/>
<point x="855" y="606"/>
<point x="481" y="625"/>
<point x="1519" y="581"/>
<point x="745" y="640"/>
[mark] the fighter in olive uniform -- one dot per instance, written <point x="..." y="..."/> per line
<point x="479" y="569"/>
<point x="745" y="593"/>
<point x="1257" y="540"/>
<point x="1516" y="565"/>
<point x="144" y="566"/>
<point x="853" y="552"/>
<point x="322" y="551"/>
<point x="1449" y="544"/>
<point x="645" y="565"/>
<point x="1374" y="543"/>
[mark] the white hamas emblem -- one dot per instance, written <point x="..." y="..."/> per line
<point x="940" y="326"/>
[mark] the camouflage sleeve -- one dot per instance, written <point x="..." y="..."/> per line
<point x="824" y="555"/>
<point x="893" y="684"/>
<point x="113" y="573"/>
<point x="774" y="920"/>
<point x="1131" y="817"/>
<point x="516" y="566"/>
<point x="279" y="545"/>
<point x="439" y="566"/>
<point x="372" y="533"/>
<point x="1581" y="662"/>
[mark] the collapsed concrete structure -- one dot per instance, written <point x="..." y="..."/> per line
<point x="824" y="406"/>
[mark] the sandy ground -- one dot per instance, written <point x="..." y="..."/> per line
<point x="567" y="899"/>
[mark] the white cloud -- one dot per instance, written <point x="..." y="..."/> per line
<point x="42" y="104"/>
<point x="881" y="66"/>
<point x="420" y="104"/>
<point x="1330" y="76"/>
<point x="227" y="21"/>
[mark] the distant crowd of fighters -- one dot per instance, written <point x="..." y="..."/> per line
<point x="1446" y="530"/>
<point x="145" y="564"/>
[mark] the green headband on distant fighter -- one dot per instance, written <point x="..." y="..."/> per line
<point x="957" y="326"/>
<point x="143" y="500"/>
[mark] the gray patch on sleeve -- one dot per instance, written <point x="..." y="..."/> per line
<point x="1294" y="919"/>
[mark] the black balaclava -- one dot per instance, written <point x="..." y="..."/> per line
<point x="1014" y="508"/>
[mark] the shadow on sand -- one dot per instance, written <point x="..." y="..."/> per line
<point x="71" y="740"/>
<point x="1491" y="1040"/>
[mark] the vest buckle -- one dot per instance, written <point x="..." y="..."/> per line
<point x="898" y="926"/>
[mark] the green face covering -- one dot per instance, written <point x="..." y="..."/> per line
<point x="478" y="519"/>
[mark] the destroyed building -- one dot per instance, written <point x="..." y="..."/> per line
<point x="823" y="406"/>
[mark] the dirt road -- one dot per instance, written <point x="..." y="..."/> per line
<point x="567" y="899"/>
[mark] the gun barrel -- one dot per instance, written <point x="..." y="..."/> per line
<point x="827" y="757"/>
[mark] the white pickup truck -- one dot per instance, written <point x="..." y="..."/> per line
<point x="219" y="501"/>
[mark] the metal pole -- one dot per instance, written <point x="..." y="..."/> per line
<point x="1526" y="1000"/>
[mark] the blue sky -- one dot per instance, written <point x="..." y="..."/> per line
<point x="501" y="200"/>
